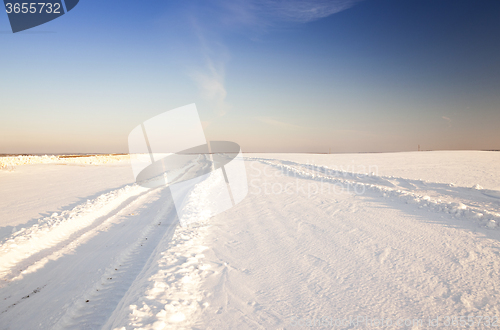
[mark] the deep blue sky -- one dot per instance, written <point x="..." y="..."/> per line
<point x="373" y="75"/>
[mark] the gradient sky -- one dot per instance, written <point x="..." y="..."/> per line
<point x="274" y="76"/>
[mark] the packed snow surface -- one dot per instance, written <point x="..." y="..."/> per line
<point x="368" y="241"/>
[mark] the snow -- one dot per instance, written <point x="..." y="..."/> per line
<point x="462" y="168"/>
<point x="307" y="256"/>
<point x="10" y="162"/>
<point x="42" y="187"/>
<point x="340" y="241"/>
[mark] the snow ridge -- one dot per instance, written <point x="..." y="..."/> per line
<point x="59" y="228"/>
<point x="383" y="186"/>
<point x="167" y="294"/>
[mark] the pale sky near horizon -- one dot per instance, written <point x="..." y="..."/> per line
<point x="273" y="76"/>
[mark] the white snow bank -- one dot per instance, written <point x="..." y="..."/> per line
<point x="8" y="162"/>
<point x="170" y="298"/>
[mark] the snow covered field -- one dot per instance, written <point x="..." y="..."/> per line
<point x="368" y="241"/>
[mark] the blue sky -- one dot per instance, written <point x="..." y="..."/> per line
<point x="275" y="76"/>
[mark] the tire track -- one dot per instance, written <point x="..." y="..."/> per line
<point x="477" y="209"/>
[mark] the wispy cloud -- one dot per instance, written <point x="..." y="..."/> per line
<point x="212" y="21"/>
<point x="210" y="77"/>
<point x="262" y="14"/>
<point x="303" y="11"/>
<point x="211" y="84"/>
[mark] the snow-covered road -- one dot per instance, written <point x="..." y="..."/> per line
<point x="81" y="279"/>
<point x="311" y="244"/>
<point x="293" y="254"/>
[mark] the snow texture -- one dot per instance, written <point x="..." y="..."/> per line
<point x="328" y="241"/>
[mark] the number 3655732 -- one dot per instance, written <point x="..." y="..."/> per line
<point x="33" y="8"/>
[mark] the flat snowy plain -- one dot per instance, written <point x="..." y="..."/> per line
<point x="348" y="241"/>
